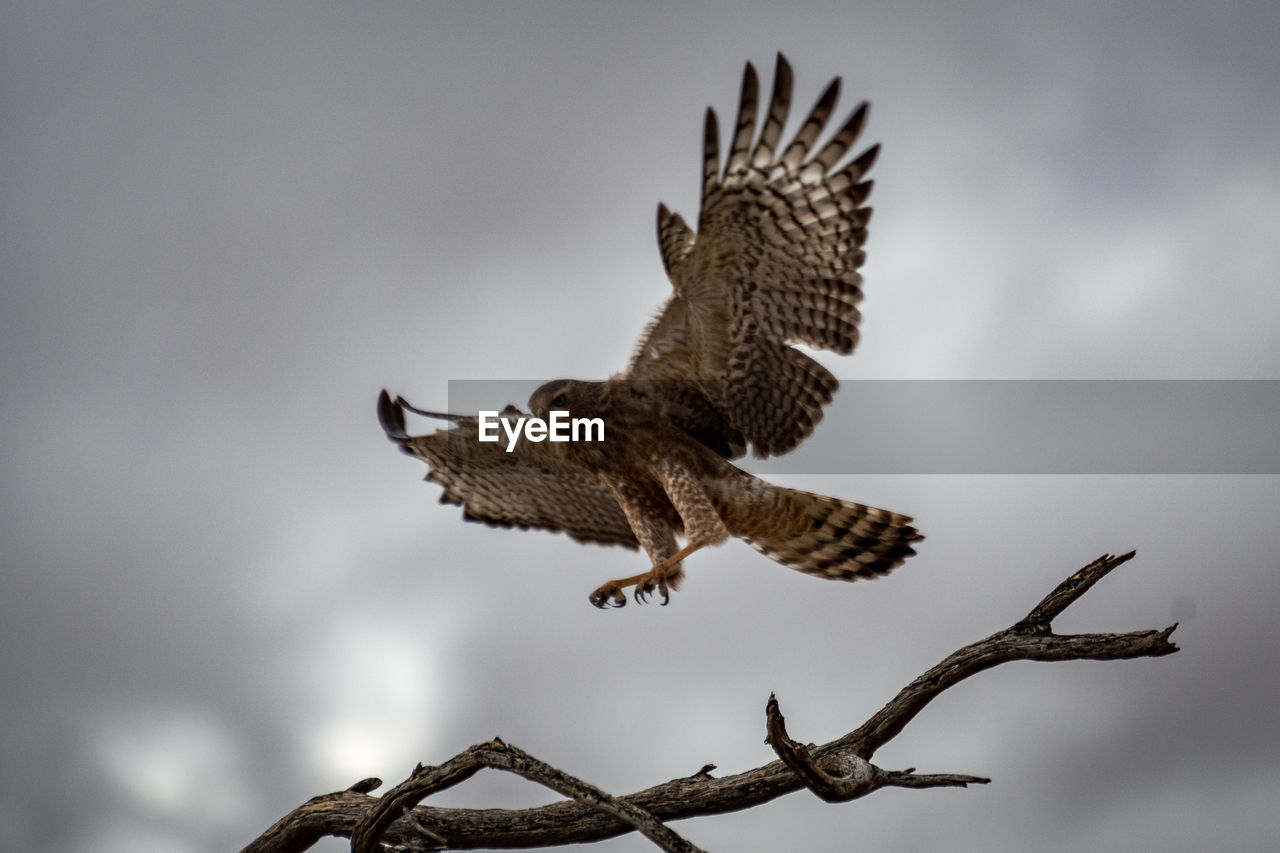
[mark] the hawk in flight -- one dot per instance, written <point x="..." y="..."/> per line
<point x="774" y="262"/>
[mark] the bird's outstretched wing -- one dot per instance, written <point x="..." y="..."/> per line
<point x="774" y="263"/>
<point x="528" y="487"/>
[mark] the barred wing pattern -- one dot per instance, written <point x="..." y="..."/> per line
<point x="529" y="487"/>
<point x="774" y="263"/>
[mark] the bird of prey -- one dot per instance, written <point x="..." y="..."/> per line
<point x="774" y="263"/>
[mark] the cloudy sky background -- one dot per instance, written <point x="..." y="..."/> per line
<point x="226" y="226"/>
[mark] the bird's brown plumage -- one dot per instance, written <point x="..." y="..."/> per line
<point x="774" y="263"/>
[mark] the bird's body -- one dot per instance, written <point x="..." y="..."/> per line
<point x="774" y="263"/>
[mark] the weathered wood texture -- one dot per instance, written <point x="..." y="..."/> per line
<point x="836" y="771"/>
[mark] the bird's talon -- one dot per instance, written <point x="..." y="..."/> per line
<point x="609" y="595"/>
<point x="647" y="586"/>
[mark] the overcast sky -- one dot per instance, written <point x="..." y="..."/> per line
<point x="226" y="226"/>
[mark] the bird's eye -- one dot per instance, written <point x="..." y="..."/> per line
<point x="558" y="401"/>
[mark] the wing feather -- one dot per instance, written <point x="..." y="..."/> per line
<point x="775" y="262"/>
<point x="710" y="154"/>
<point x="675" y="240"/>
<point x="809" y="131"/>
<point x="531" y="487"/>
<point x="779" y="107"/>
<point x="745" y="127"/>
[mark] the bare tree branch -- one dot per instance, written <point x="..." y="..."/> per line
<point x="1030" y="639"/>
<point x="850" y="776"/>
<point x="368" y="832"/>
<point x="837" y="771"/>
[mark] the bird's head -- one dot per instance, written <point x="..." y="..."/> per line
<point x="557" y="395"/>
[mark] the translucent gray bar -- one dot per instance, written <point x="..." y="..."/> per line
<point x="1013" y="426"/>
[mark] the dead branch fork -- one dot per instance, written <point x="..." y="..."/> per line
<point x="837" y="771"/>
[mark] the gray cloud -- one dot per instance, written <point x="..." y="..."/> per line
<point x="226" y="227"/>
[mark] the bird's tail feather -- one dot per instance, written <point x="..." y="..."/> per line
<point x="827" y="537"/>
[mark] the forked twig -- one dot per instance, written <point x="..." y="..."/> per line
<point x="848" y="776"/>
